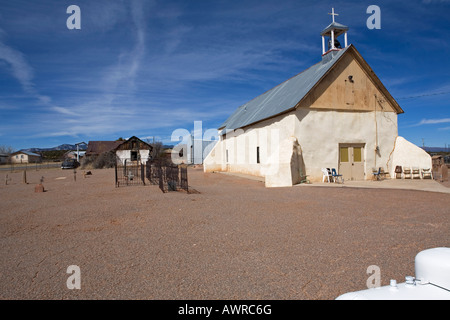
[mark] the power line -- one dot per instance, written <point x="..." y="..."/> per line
<point x="424" y="95"/>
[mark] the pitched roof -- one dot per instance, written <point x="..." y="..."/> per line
<point x="99" y="147"/>
<point x="27" y="153"/>
<point x="281" y="98"/>
<point x="124" y="145"/>
<point x="286" y="96"/>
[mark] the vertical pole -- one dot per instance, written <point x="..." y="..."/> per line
<point x="345" y="40"/>
<point x="115" y="171"/>
<point x="323" y="45"/>
<point x="332" y="39"/>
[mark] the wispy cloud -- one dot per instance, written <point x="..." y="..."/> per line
<point x="18" y="66"/>
<point x="433" y="121"/>
<point x="21" y="70"/>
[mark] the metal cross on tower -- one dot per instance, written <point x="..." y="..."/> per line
<point x="333" y="14"/>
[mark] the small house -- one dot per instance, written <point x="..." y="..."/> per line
<point x="134" y="149"/>
<point x="25" y="157"/>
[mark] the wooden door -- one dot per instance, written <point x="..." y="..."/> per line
<point x="351" y="161"/>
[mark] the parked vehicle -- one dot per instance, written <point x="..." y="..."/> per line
<point x="432" y="281"/>
<point x="70" y="164"/>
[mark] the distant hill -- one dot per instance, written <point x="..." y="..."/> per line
<point x="66" y="147"/>
<point x="436" y="149"/>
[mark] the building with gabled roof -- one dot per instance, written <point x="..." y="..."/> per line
<point x="25" y="157"/>
<point x="132" y="149"/>
<point x="336" y="114"/>
<point x="96" y="148"/>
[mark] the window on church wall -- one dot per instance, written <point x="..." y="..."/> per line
<point x="257" y="155"/>
<point x="357" y="154"/>
<point x="344" y="154"/>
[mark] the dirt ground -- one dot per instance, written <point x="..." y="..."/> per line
<point x="235" y="239"/>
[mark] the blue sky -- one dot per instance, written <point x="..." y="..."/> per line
<point x="146" y="68"/>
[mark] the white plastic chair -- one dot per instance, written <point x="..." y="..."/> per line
<point x="407" y="173"/>
<point x="415" y="173"/>
<point x="326" y="174"/>
<point x="426" y="172"/>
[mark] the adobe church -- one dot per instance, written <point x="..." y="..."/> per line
<point x="336" y="114"/>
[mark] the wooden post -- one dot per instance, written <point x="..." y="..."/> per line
<point x="24" y="177"/>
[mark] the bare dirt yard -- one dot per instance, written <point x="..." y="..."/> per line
<point x="235" y="239"/>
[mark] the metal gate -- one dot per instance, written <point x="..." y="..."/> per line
<point x="167" y="176"/>
<point x="129" y="173"/>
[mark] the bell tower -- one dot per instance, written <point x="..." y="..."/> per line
<point x="332" y="32"/>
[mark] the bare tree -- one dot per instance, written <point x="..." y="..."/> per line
<point x="6" y="149"/>
<point x="158" y="149"/>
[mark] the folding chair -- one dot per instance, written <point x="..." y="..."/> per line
<point x="336" y="176"/>
<point x="376" y="173"/>
<point x="398" y="172"/>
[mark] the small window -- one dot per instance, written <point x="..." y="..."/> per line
<point x="257" y="155"/>
<point x="134" y="155"/>
<point x="227" y="156"/>
<point x="344" y="154"/>
<point x="357" y="154"/>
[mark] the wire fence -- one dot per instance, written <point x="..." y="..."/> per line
<point x="14" y="167"/>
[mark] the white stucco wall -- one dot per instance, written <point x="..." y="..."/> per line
<point x="409" y="155"/>
<point x="241" y="146"/>
<point x="318" y="133"/>
<point x="126" y="155"/>
<point x="24" y="158"/>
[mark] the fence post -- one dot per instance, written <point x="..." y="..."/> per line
<point x="115" y="171"/>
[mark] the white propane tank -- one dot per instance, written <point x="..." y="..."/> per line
<point x="432" y="281"/>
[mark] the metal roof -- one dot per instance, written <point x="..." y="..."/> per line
<point x="283" y="97"/>
<point x="336" y="26"/>
<point x="98" y="147"/>
<point x="27" y="153"/>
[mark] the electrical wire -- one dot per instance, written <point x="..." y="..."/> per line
<point x="424" y="95"/>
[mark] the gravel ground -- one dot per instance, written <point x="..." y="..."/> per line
<point x="235" y="239"/>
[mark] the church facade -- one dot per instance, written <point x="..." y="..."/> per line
<point x="336" y="114"/>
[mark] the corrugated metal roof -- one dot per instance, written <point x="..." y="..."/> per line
<point x="283" y="97"/>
